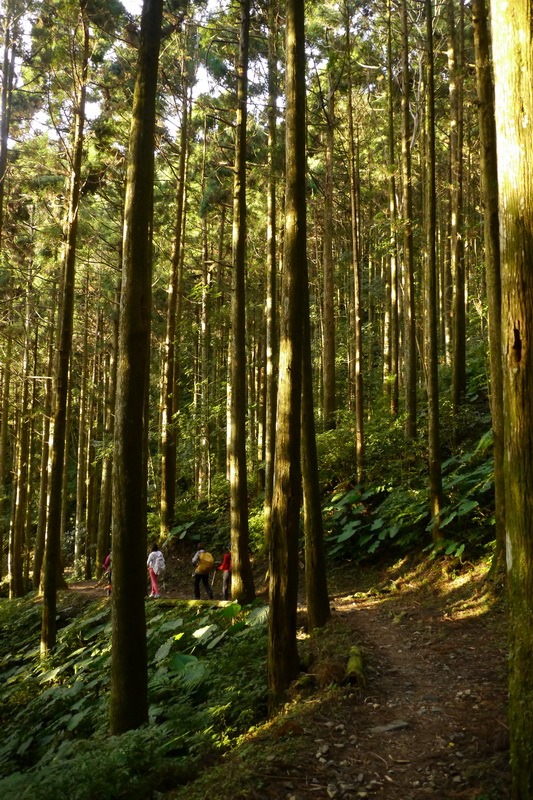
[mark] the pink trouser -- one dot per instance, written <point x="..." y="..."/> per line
<point x="153" y="579"/>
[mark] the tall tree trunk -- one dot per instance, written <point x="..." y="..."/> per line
<point x="409" y="304"/>
<point x="80" y="530"/>
<point x="435" y="478"/>
<point x="204" y="458"/>
<point x="316" y="585"/>
<point x="512" y="36"/>
<point x="328" y="313"/>
<point x="356" y="262"/>
<point x="93" y="467"/>
<point x="456" y="206"/>
<point x="489" y="183"/>
<point x="394" y="338"/>
<point x="242" y="583"/>
<point x="53" y="537"/>
<point x="103" y="542"/>
<point x="17" y="588"/>
<point x="271" y="310"/>
<point x="282" y="662"/>
<point x="4" y="442"/>
<point x="8" y="73"/>
<point x="45" y="451"/>
<point x="169" y="400"/>
<point x="129" y="678"/>
<point x="33" y="413"/>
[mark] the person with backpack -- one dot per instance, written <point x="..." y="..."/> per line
<point x="225" y="568"/>
<point x="156" y="567"/>
<point x="203" y="564"/>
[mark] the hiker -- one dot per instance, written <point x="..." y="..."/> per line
<point x="106" y="577"/>
<point x="156" y="567"/>
<point x="203" y="563"/>
<point x="225" y="568"/>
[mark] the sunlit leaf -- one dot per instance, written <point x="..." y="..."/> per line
<point x="229" y="611"/>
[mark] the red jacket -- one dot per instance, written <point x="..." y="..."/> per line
<point x="226" y="563"/>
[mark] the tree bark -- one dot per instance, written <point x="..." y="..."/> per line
<point x="456" y="206"/>
<point x="242" y="584"/>
<point x="53" y="536"/>
<point x="409" y="304"/>
<point x="435" y="477"/>
<point x="356" y="265"/>
<point x="271" y="310"/>
<point x="169" y="400"/>
<point x="316" y="585"/>
<point x="394" y="336"/>
<point x="4" y="444"/>
<point x="129" y="679"/>
<point x="17" y="587"/>
<point x="80" y="528"/>
<point x="489" y="183"/>
<point x="103" y="541"/>
<point x="8" y="73"/>
<point x="282" y="662"/>
<point x="328" y="313"/>
<point x="512" y="36"/>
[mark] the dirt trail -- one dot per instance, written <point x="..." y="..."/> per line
<point x="430" y="720"/>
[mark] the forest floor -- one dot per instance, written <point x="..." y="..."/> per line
<point x="430" y="719"/>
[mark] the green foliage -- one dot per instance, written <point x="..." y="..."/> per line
<point x="207" y="685"/>
<point x="256" y="525"/>
<point x="362" y="521"/>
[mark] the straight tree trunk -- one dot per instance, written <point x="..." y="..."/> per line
<point x="93" y="466"/>
<point x="394" y="338"/>
<point x="512" y="36"/>
<point x="8" y="73"/>
<point x="169" y="400"/>
<point x="204" y="456"/>
<point x="242" y="584"/>
<point x="43" y="471"/>
<point x="409" y="304"/>
<point x="53" y="536"/>
<point x="17" y="588"/>
<point x="456" y="206"/>
<point x="129" y="678"/>
<point x="489" y="183"/>
<point x="271" y="310"/>
<point x="316" y="585"/>
<point x="103" y="543"/>
<point x="328" y="314"/>
<point x="358" y="324"/>
<point x="80" y="529"/>
<point x="435" y="477"/>
<point x="33" y="413"/>
<point x="282" y="660"/>
<point x="4" y="442"/>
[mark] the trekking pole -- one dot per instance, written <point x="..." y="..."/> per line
<point x="213" y="578"/>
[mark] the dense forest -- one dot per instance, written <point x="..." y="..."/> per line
<point x="264" y="279"/>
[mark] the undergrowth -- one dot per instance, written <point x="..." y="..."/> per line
<point x="207" y="686"/>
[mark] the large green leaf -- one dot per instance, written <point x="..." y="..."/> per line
<point x="349" y="530"/>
